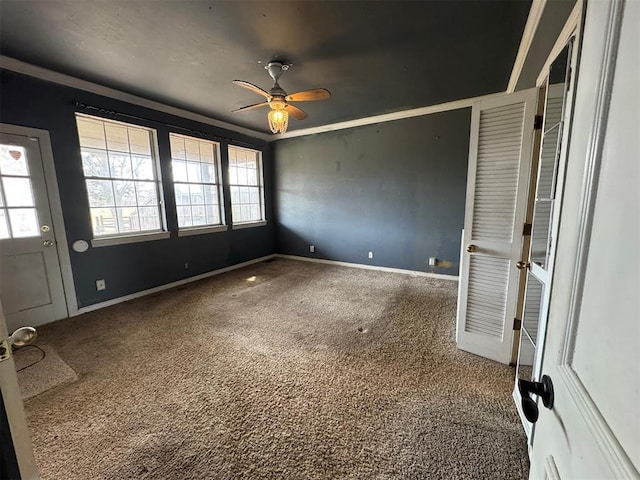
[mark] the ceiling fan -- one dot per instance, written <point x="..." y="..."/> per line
<point x="278" y="99"/>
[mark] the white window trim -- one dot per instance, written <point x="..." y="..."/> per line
<point x="240" y="226"/>
<point x="135" y="238"/>
<point x="263" y="210"/>
<point x="210" y="228"/>
<point x="188" y="231"/>
<point x="140" y="236"/>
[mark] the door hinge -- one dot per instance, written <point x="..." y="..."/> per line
<point x="537" y="122"/>
<point x="527" y="229"/>
<point x="517" y="324"/>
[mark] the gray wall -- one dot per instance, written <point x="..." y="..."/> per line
<point x="396" y="188"/>
<point x="554" y="16"/>
<point x="133" y="267"/>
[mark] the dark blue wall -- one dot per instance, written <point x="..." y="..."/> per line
<point x="396" y="188"/>
<point x="132" y="267"/>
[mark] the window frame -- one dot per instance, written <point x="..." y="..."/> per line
<point x="260" y="178"/>
<point x="208" y="228"/>
<point x="141" y="235"/>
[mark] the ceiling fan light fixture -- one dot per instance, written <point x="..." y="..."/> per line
<point x="278" y="120"/>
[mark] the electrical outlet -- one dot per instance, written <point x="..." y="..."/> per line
<point x="370" y="254"/>
<point x="101" y="285"/>
<point x="312" y="248"/>
<point x="433" y="261"/>
<point x="186" y="265"/>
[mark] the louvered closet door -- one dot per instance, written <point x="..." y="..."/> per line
<point x="497" y="182"/>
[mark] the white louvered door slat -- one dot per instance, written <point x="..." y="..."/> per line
<point x="499" y="168"/>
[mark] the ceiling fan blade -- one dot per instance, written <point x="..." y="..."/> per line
<point x="252" y="87"/>
<point x="250" y="107"/>
<point x="296" y="112"/>
<point x="309" y="95"/>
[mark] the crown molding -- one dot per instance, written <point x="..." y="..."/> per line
<point x="35" y="71"/>
<point x="533" y="20"/>
<point x="388" y="117"/>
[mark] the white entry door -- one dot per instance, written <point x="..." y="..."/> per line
<point x="500" y="153"/>
<point x="31" y="285"/>
<point x="592" y="349"/>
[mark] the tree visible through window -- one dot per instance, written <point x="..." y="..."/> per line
<point x="195" y="177"/>
<point x="120" y="169"/>
<point x="246" y="185"/>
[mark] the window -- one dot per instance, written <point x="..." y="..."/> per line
<point x="18" y="216"/>
<point x="122" y="177"/>
<point x="196" y="181"/>
<point x="245" y="181"/>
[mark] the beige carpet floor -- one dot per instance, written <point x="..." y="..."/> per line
<point x="282" y="370"/>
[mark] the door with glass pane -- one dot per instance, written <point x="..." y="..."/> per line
<point x="30" y="282"/>
<point x="547" y="196"/>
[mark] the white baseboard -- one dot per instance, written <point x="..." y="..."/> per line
<point x="126" y="298"/>
<point x="417" y="273"/>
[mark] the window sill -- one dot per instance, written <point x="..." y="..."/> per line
<point x="121" y="240"/>
<point x="186" y="232"/>
<point x="240" y="226"/>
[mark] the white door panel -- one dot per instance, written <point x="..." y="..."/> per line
<point x="497" y="181"/>
<point x="30" y="283"/>
<point x="593" y="333"/>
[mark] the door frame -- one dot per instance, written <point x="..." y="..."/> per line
<point x="55" y="206"/>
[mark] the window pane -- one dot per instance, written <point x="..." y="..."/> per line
<point x="18" y="192"/>
<point x="192" y="150"/>
<point x="208" y="172"/>
<point x="128" y="220"/>
<point x="246" y="212"/>
<point x="124" y="194"/>
<point x="103" y="221"/>
<point x="24" y="222"/>
<point x="255" y="212"/>
<point x="207" y="152"/>
<point x="184" y="216"/>
<point x="210" y="194"/>
<point x="149" y="218"/>
<point x="254" y="195"/>
<point x="244" y="195"/>
<point x="199" y="217"/>
<point x="182" y="194"/>
<point x="241" y="159"/>
<point x="139" y="141"/>
<point x="13" y="160"/>
<point x="1" y="196"/>
<point x="147" y="193"/>
<point x="197" y="195"/>
<point x="213" y="214"/>
<point x="120" y="165"/>
<point x="252" y="177"/>
<point x="91" y="133"/>
<point x="142" y="167"/>
<point x="117" y="137"/>
<point x="177" y="147"/>
<point x="242" y="176"/>
<point x="95" y="163"/>
<point x="4" y="228"/>
<point x="233" y="175"/>
<point x="100" y="193"/>
<point x="179" y="169"/>
<point x="193" y="171"/>
<point x="251" y="161"/>
<point x="235" y="211"/>
<point x="235" y="195"/>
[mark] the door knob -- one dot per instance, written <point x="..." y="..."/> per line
<point x="543" y="389"/>
<point x="472" y="248"/>
<point x="522" y="265"/>
<point x="47" y="243"/>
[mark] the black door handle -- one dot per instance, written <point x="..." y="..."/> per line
<point x="543" y="389"/>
